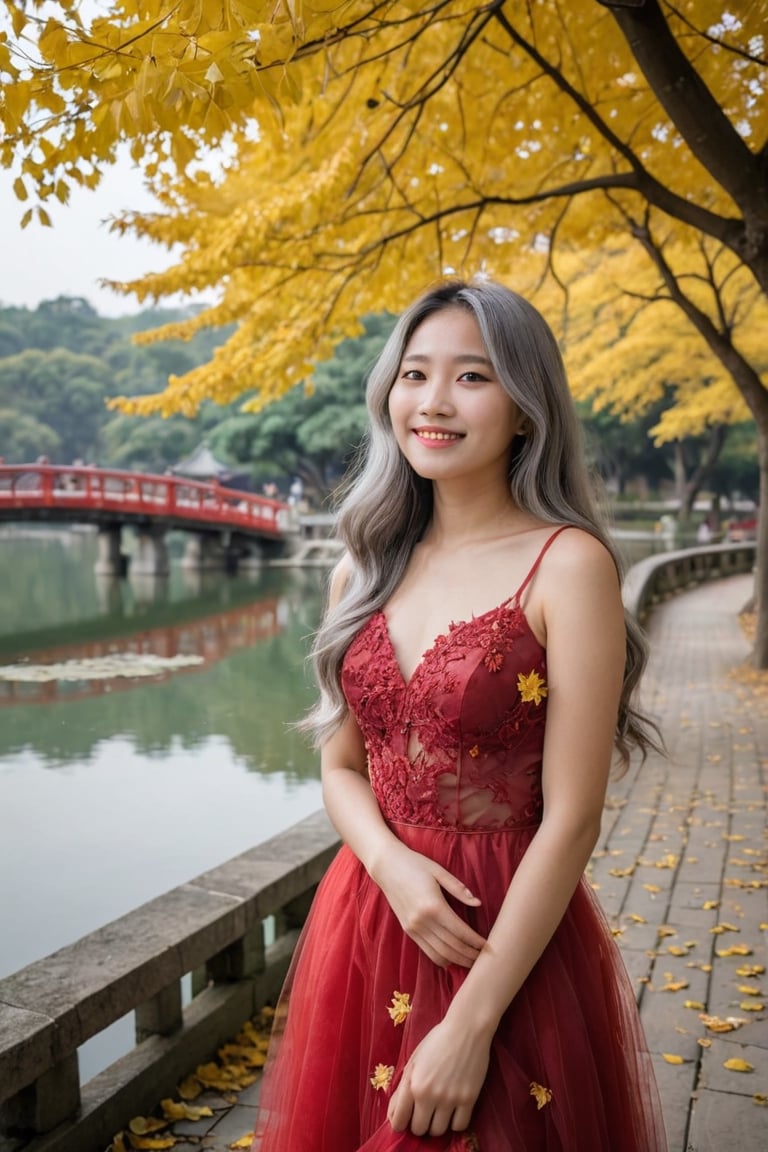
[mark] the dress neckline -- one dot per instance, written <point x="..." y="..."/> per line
<point x="512" y="602"/>
<point x="511" y="605"/>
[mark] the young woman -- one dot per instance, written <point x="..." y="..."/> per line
<point x="456" y="986"/>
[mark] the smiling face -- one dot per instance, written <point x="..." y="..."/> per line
<point x="449" y="412"/>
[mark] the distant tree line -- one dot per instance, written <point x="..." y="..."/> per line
<point x="61" y="362"/>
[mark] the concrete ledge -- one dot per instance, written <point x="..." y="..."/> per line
<point x="660" y="576"/>
<point x="213" y="923"/>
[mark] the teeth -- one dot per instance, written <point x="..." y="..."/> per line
<point x="439" y="435"/>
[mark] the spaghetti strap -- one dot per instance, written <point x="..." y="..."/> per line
<point x="547" y="543"/>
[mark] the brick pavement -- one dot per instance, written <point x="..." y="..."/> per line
<point x="682" y="873"/>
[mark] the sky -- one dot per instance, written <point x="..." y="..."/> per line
<point x="69" y="259"/>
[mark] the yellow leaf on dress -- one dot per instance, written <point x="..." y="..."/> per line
<point x="541" y="1094"/>
<point x="401" y="1006"/>
<point x="382" y="1076"/>
<point x="735" y="1064"/>
<point x="532" y="688"/>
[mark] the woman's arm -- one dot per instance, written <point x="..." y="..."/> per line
<point x="412" y="884"/>
<point x="580" y="598"/>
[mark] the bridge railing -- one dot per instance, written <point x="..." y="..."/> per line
<point x="35" y="486"/>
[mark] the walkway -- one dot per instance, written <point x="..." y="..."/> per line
<point x="682" y="871"/>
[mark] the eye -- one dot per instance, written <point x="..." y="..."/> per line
<point x="473" y="378"/>
<point x="412" y="374"/>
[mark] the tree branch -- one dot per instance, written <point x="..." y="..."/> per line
<point x="692" y="108"/>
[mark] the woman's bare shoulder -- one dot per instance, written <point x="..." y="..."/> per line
<point x="579" y="558"/>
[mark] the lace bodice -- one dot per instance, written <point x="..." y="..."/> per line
<point x="459" y="745"/>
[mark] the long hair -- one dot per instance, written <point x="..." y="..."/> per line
<point x="387" y="506"/>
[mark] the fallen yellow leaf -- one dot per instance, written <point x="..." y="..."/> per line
<point x="190" y="1088"/>
<point x="671" y="1058"/>
<point x="717" y="1024"/>
<point x="751" y="1006"/>
<point x="244" y="1142"/>
<point x="761" y="1099"/>
<point x="674" y="986"/>
<point x="676" y="950"/>
<point x="143" y="1125"/>
<point x="735" y="1064"/>
<point x="150" y="1143"/>
<point x="734" y="950"/>
<point x="749" y="990"/>
<point x="174" y="1111"/>
<point x="750" y="970"/>
<point x="693" y="1004"/>
<point x="708" y="905"/>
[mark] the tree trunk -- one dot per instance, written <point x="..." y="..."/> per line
<point x="692" y="485"/>
<point x="760" y="653"/>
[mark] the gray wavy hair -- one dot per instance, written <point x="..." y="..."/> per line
<point x="385" y="506"/>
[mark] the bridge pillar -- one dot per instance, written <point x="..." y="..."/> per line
<point x="203" y="551"/>
<point x="151" y="555"/>
<point x="110" y="559"/>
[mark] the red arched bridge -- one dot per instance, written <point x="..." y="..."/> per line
<point x="226" y="525"/>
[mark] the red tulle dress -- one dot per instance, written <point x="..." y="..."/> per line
<point x="455" y="763"/>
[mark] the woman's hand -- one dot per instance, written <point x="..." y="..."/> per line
<point x="440" y="1082"/>
<point x="413" y="885"/>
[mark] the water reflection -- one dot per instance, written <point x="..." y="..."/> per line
<point x="112" y="790"/>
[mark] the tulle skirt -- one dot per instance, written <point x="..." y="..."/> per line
<point x="573" y="1029"/>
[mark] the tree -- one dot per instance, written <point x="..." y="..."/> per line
<point x="396" y="142"/>
<point x="310" y="434"/>
<point x="24" y="438"/>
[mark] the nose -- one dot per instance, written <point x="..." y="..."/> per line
<point x="435" y="399"/>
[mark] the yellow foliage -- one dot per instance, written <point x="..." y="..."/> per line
<point x="356" y="152"/>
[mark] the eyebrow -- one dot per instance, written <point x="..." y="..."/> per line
<point x="462" y="358"/>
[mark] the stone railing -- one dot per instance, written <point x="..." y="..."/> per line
<point x="215" y="927"/>
<point x="666" y="573"/>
